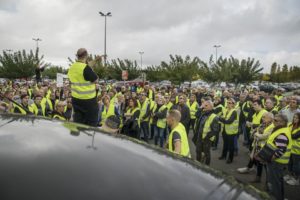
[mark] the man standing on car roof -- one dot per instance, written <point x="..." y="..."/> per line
<point x="83" y="80"/>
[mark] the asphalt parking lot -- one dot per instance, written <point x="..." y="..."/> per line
<point x="241" y="160"/>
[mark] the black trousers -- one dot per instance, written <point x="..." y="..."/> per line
<point x="85" y="111"/>
<point x="275" y="179"/>
<point x="203" y="146"/>
<point x="228" y="146"/>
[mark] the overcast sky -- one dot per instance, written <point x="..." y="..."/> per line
<point x="268" y="30"/>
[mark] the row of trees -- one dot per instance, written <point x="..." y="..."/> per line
<point x="178" y="69"/>
<point x="283" y="74"/>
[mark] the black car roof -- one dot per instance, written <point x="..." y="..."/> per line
<point x="48" y="159"/>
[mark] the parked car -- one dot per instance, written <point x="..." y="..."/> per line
<point x="48" y="159"/>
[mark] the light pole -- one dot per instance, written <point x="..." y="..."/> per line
<point x="37" y="41"/>
<point x="105" y="15"/>
<point x="217" y="46"/>
<point x="141" y="53"/>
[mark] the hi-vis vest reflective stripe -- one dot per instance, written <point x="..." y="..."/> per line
<point x="23" y="112"/>
<point x="207" y="125"/>
<point x="81" y="89"/>
<point x="296" y="142"/>
<point x="232" y="128"/>
<point x="257" y="117"/>
<point x="284" y="159"/>
<point x="193" y="109"/>
<point x="267" y="131"/>
<point x="107" y="112"/>
<point x="36" y="110"/>
<point x="185" y="149"/>
<point x="143" y="112"/>
<point x="161" y="123"/>
<point x="56" y="116"/>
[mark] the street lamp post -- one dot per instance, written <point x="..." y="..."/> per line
<point x="37" y="41"/>
<point x="141" y="53"/>
<point x="217" y="46"/>
<point x="105" y="15"/>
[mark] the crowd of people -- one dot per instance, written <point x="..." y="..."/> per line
<point x="268" y="123"/>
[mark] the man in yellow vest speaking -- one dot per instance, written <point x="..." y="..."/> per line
<point x="83" y="79"/>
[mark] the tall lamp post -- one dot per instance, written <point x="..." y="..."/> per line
<point x="105" y="15"/>
<point x="141" y="53"/>
<point x="37" y="41"/>
<point x="217" y="46"/>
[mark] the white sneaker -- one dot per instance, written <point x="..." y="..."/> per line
<point x="287" y="177"/>
<point x="293" y="182"/>
<point x="244" y="170"/>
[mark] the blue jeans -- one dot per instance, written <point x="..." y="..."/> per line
<point x="144" y="130"/>
<point x="159" y="134"/>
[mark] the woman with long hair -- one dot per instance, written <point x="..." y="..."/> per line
<point x="131" y="116"/>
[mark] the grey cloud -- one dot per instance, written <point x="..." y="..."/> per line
<point x="267" y="29"/>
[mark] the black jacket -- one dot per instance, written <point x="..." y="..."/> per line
<point x="215" y="127"/>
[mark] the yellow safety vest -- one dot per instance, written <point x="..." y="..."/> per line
<point x="153" y="106"/>
<point x="245" y="113"/>
<point x="193" y="109"/>
<point x="132" y="111"/>
<point x="284" y="159"/>
<point x="143" y="111"/>
<point x="169" y="105"/>
<point x="233" y="128"/>
<point x="296" y="142"/>
<point x="257" y="117"/>
<point x="185" y="149"/>
<point x="81" y="89"/>
<point x="223" y="110"/>
<point x="36" y="110"/>
<point x="278" y="98"/>
<point x="150" y="95"/>
<point x="268" y="130"/>
<point x="107" y="112"/>
<point x="207" y="126"/>
<point x="139" y="104"/>
<point x="161" y="123"/>
<point x="30" y="92"/>
<point x="56" y="116"/>
<point x="23" y="112"/>
<point x="139" y="90"/>
<point x="11" y="110"/>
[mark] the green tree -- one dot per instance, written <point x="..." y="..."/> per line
<point x="51" y="71"/>
<point x="20" y="64"/>
<point x="115" y="68"/>
<point x="231" y="70"/>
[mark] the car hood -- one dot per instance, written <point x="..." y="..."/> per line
<point x="48" y="159"/>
